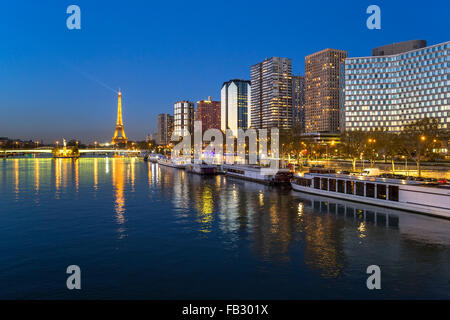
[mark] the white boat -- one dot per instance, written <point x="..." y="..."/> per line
<point x="257" y="173"/>
<point x="415" y="196"/>
<point x="201" y="168"/>
<point x="155" y="157"/>
<point x="174" y="163"/>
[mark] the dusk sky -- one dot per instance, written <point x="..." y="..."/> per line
<point x="53" y="81"/>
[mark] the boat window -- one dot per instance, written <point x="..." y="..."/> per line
<point x="370" y="190"/>
<point x="303" y="182"/>
<point x="350" y="187"/>
<point x="341" y="186"/>
<point x="324" y="184"/>
<point x="236" y="171"/>
<point x="381" y="191"/>
<point x="393" y="193"/>
<point x="360" y="189"/>
<point x="316" y="183"/>
<point x="332" y="184"/>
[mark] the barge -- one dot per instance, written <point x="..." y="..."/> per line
<point x="258" y="174"/>
<point x="415" y="196"/>
<point x="201" y="168"/>
<point x="173" y="163"/>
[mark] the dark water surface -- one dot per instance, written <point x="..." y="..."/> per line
<point x="138" y="230"/>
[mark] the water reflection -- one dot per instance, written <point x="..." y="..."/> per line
<point x="270" y="228"/>
<point x="57" y="176"/>
<point x="118" y="179"/>
<point x="16" y="178"/>
<point x="95" y="174"/>
<point x="36" y="176"/>
<point x="76" y="164"/>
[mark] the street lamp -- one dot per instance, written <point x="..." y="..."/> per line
<point x="423" y="138"/>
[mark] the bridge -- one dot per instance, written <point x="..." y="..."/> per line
<point x="80" y="150"/>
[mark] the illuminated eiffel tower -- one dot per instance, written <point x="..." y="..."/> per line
<point x="119" y="124"/>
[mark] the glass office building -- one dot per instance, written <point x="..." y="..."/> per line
<point x="391" y="91"/>
<point x="235" y="105"/>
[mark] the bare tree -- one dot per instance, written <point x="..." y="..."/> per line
<point x="353" y="144"/>
<point x="417" y="139"/>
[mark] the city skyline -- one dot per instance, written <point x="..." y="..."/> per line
<point x="50" y="66"/>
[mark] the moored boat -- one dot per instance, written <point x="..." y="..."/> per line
<point x="174" y="163"/>
<point x="201" y="168"/>
<point x="258" y="174"/>
<point x="410" y="195"/>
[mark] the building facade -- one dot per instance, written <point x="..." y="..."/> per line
<point x="165" y="128"/>
<point x="399" y="47"/>
<point x="298" y="102"/>
<point x="235" y="105"/>
<point x="183" y="118"/>
<point x="271" y="94"/>
<point x="322" y="71"/>
<point x="208" y="112"/>
<point x="392" y="91"/>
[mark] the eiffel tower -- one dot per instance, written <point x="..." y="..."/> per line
<point x="119" y="124"/>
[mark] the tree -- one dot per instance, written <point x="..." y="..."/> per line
<point x="389" y="146"/>
<point x="416" y="139"/>
<point x="353" y="144"/>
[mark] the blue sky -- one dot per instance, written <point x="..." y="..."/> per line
<point x="159" y="52"/>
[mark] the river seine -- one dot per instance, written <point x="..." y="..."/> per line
<point x="141" y="231"/>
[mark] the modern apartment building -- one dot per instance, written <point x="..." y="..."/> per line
<point x="235" y="105"/>
<point x="271" y="94"/>
<point x="391" y="91"/>
<point x="183" y="118"/>
<point x="208" y="112"/>
<point x="165" y="128"/>
<point x="322" y="90"/>
<point x="298" y="102"/>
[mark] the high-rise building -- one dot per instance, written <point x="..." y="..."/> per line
<point x="271" y="94"/>
<point x="298" y="102"/>
<point x="392" y="91"/>
<point x="165" y="128"/>
<point x="235" y="105"/>
<point x="208" y="112"/>
<point x="183" y="118"/>
<point x="322" y="90"/>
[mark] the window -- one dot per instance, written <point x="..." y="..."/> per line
<point x="381" y="191"/>
<point x="393" y="193"/>
<point x="350" y="186"/>
<point x="341" y="186"/>
<point x="303" y="182"/>
<point x="316" y="183"/>
<point x="332" y="184"/>
<point x="360" y="189"/>
<point x="324" y="184"/>
<point x="370" y="190"/>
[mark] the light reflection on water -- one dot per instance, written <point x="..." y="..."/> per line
<point x="171" y="234"/>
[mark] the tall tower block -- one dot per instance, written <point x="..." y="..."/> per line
<point x="119" y="133"/>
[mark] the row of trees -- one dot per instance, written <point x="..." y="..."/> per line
<point x="418" y="141"/>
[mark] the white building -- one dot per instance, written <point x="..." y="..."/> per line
<point x="391" y="91"/>
<point x="235" y="105"/>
